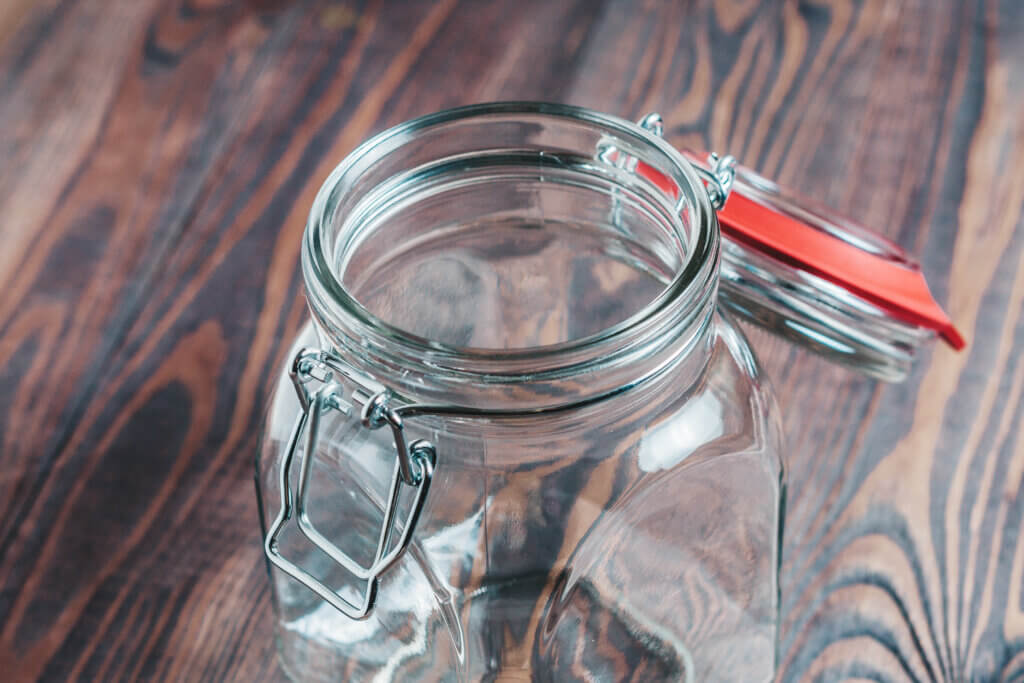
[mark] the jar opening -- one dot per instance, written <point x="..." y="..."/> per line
<point x="507" y="251"/>
<point x="498" y="240"/>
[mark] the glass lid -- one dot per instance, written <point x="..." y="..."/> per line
<point x="800" y="270"/>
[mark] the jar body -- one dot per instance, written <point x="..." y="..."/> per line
<point x="633" y="538"/>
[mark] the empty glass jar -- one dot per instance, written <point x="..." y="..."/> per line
<point x="519" y="439"/>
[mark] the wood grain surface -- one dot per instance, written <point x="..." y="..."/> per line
<point x="159" y="158"/>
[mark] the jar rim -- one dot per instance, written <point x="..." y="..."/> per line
<point x="696" y="274"/>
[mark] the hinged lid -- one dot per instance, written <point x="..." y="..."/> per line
<point x="821" y="279"/>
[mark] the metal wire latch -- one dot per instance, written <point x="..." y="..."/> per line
<point x="718" y="173"/>
<point x="414" y="468"/>
<point x="718" y="178"/>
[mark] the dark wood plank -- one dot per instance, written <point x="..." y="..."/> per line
<point x="160" y="160"/>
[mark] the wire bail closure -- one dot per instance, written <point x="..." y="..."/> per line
<point x="414" y="468"/>
<point x="718" y="179"/>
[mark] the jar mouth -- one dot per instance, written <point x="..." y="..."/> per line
<point x="556" y="144"/>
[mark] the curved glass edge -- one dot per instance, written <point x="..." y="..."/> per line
<point x="817" y="314"/>
<point x="819" y="217"/>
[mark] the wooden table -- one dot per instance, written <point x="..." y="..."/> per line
<point x="159" y="161"/>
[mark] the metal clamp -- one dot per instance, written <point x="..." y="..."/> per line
<point x="718" y="178"/>
<point x="414" y="468"/>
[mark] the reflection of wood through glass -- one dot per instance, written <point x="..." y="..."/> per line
<point x="508" y="284"/>
<point x="592" y="636"/>
<point x="686" y="558"/>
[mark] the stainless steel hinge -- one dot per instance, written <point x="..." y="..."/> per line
<point x="414" y="468"/>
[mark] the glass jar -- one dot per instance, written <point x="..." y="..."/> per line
<point x="519" y="439"/>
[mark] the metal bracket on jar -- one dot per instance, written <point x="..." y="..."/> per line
<point x="718" y="177"/>
<point x="414" y="468"/>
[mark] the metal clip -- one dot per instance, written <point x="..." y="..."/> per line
<point x="718" y="179"/>
<point x="414" y="468"/>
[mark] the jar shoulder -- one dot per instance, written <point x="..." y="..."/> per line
<point x="728" y="409"/>
<point x="725" y="401"/>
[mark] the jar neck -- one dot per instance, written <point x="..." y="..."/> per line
<point x="671" y="329"/>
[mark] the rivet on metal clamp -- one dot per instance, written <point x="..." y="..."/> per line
<point x="414" y="468"/>
<point x="720" y="175"/>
